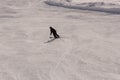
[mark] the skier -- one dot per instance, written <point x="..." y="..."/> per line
<point x="53" y="31"/>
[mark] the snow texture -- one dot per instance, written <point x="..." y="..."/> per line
<point x="89" y="47"/>
<point x="94" y="6"/>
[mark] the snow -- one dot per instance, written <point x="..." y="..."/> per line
<point x="88" y="50"/>
<point x="94" y="6"/>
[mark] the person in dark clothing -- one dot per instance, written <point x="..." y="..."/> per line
<point x="53" y="31"/>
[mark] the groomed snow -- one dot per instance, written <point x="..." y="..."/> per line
<point x="88" y="50"/>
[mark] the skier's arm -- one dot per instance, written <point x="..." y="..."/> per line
<point x="50" y="32"/>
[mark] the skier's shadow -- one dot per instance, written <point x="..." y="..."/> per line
<point x="50" y="40"/>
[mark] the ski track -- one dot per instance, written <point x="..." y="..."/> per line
<point x="68" y="51"/>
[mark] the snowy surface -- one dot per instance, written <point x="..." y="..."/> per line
<point x="88" y="50"/>
<point x="102" y="6"/>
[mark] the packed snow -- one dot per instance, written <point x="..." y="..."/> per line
<point x="89" y="47"/>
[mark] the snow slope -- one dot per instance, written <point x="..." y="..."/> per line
<point x="88" y="50"/>
<point x="104" y="6"/>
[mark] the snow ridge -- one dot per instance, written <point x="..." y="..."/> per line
<point x="95" y="6"/>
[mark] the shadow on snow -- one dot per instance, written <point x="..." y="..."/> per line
<point x="50" y="40"/>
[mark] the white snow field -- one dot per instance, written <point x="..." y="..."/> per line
<point x="88" y="50"/>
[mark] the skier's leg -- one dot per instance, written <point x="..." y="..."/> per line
<point x="57" y="35"/>
<point x="54" y="35"/>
